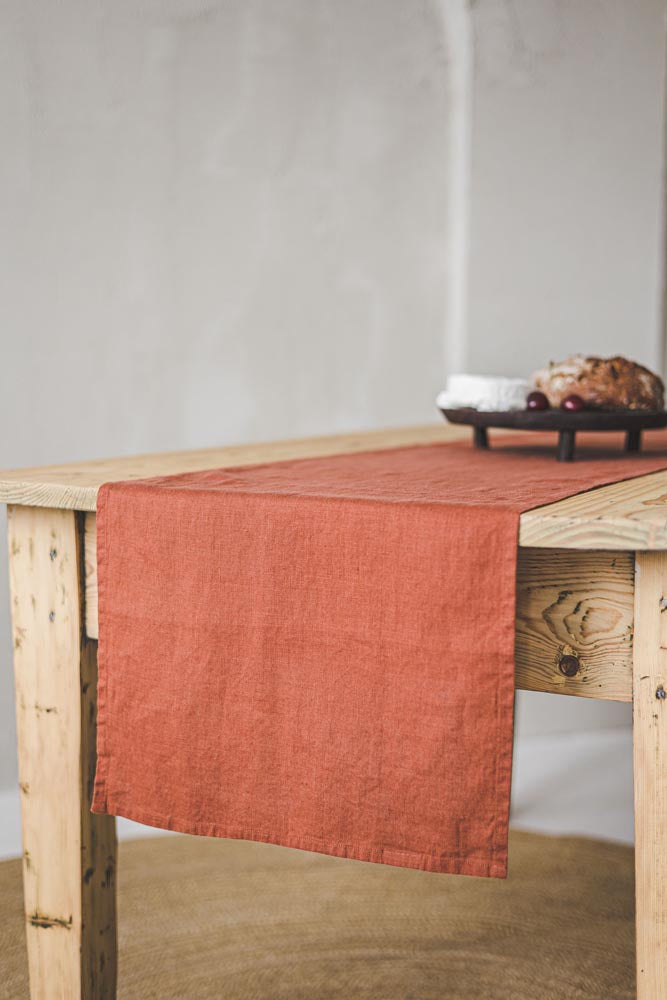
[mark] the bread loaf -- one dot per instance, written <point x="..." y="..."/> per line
<point x="602" y="383"/>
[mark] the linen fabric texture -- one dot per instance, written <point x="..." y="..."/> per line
<point x="320" y="653"/>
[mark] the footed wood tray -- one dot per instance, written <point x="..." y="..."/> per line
<point x="566" y="424"/>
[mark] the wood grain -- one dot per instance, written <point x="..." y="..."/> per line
<point x="90" y="575"/>
<point x="74" y="486"/>
<point x="568" y="603"/>
<point x="576" y="604"/>
<point x="68" y="854"/>
<point x="630" y="516"/>
<point x="650" y="773"/>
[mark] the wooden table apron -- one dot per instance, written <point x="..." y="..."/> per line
<point x="591" y="622"/>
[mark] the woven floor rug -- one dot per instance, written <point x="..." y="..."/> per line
<point x="204" y="919"/>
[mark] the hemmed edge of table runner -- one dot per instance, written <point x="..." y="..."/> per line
<point x="99" y="803"/>
<point x="483" y="867"/>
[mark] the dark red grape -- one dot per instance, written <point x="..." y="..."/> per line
<point x="573" y="404"/>
<point x="537" y="401"/>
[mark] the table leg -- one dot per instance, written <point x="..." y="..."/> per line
<point x="650" y="772"/>
<point x="69" y="855"/>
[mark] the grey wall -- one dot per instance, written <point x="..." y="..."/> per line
<point x="228" y="219"/>
<point x="566" y="181"/>
<point x="228" y="222"/>
<point x="565" y="234"/>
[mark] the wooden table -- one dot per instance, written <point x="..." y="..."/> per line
<point x="591" y="621"/>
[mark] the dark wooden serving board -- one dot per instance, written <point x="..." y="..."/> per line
<point x="565" y="423"/>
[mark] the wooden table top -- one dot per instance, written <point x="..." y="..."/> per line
<point x="626" y="516"/>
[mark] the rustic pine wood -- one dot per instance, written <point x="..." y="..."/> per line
<point x="568" y="604"/>
<point x="75" y="485"/>
<point x="90" y="571"/>
<point x="575" y="623"/>
<point x="630" y="516"/>
<point x="580" y="605"/>
<point x="650" y="771"/>
<point x="69" y="855"/>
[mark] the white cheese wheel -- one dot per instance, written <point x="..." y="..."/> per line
<point x="490" y="393"/>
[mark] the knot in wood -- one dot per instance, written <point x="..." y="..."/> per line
<point x="569" y="666"/>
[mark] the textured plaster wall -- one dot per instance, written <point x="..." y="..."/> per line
<point x="566" y="177"/>
<point x="223" y="220"/>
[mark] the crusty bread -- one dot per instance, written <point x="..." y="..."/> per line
<point x="603" y="383"/>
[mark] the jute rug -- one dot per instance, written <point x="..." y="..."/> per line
<point x="203" y="919"/>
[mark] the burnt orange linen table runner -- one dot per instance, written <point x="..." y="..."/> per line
<point x="320" y="653"/>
